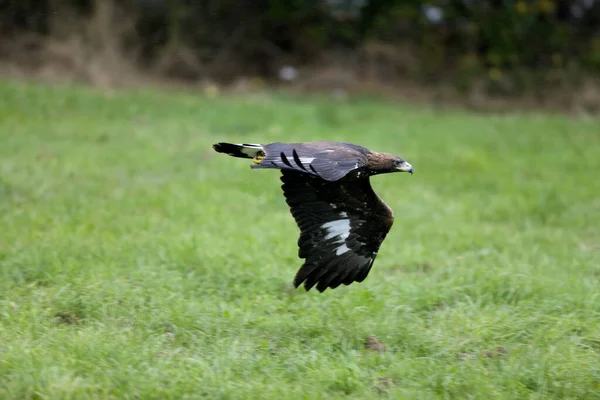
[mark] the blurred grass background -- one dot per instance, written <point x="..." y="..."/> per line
<point x="135" y="262"/>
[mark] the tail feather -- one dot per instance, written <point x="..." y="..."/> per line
<point x="239" y="150"/>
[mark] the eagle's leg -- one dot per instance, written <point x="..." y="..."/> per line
<point x="258" y="158"/>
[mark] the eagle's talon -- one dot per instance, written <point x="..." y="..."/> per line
<point x="258" y="158"/>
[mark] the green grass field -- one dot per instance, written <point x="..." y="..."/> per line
<point x="137" y="263"/>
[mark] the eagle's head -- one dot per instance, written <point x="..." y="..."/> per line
<point x="382" y="163"/>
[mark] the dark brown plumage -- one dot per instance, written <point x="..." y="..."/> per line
<point x="342" y="221"/>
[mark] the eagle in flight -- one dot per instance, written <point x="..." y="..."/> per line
<point x="342" y="221"/>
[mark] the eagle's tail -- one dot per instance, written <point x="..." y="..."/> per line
<point x="240" y="150"/>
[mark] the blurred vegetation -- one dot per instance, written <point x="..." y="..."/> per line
<point x="509" y="45"/>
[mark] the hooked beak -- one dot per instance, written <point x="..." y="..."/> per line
<point x="405" y="167"/>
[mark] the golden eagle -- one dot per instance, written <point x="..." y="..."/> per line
<point x="326" y="185"/>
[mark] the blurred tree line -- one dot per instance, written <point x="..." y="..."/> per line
<point x="513" y="44"/>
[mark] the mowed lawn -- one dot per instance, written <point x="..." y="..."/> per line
<point x="137" y="263"/>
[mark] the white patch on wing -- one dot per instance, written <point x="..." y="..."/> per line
<point x="343" y="214"/>
<point x="341" y="249"/>
<point x="339" y="228"/>
<point x="306" y="160"/>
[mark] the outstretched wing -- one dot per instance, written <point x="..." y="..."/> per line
<point x="342" y="224"/>
<point x="327" y="160"/>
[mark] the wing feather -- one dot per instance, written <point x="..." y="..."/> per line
<point x="330" y="164"/>
<point x="342" y="225"/>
